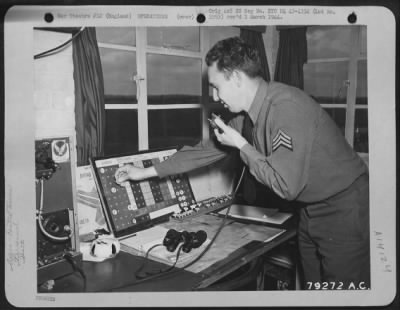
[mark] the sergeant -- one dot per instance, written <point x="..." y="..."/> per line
<point x="291" y="146"/>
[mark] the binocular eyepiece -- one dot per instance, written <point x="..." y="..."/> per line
<point x="190" y="240"/>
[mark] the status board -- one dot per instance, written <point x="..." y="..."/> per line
<point x="135" y="205"/>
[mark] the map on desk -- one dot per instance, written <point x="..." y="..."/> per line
<point x="147" y="239"/>
<point x="231" y="238"/>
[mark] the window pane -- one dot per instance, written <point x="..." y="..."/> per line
<point x="362" y="83"/>
<point x="361" y="131"/>
<point x="328" y="41"/>
<point x="173" y="80"/>
<point x="182" y="38"/>
<point x="116" y="35"/>
<point x="174" y="127"/>
<point x="121" y="131"/>
<point x="339" y="116"/>
<point x="119" y="67"/>
<point x="326" y="82"/>
<point x="220" y="33"/>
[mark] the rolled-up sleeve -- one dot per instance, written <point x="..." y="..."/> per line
<point x="191" y="157"/>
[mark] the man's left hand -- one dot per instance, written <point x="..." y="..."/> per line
<point x="230" y="136"/>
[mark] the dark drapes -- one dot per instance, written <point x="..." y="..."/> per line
<point x="292" y="55"/>
<point x="254" y="38"/>
<point x="89" y="97"/>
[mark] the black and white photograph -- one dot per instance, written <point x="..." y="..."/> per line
<point x="203" y="156"/>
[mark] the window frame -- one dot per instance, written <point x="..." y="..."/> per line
<point x="142" y="49"/>
<point x="143" y="108"/>
<point x="350" y="106"/>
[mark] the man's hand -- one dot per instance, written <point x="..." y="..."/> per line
<point x="130" y="172"/>
<point x="229" y="136"/>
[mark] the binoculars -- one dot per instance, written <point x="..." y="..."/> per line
<point x="190" y="240"/>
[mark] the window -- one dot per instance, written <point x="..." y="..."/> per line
<point x="336" y="77"/>
<point x="155" y="93"/>
<point x="118" y="56"/>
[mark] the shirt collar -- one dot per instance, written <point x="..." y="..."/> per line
<point x="258" y="101"/>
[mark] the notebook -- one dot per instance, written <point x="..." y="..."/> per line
<point x="257" y="214"/>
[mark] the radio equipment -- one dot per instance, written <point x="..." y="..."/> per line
<point x="57" y="234"/>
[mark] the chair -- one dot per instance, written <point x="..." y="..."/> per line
<point x="246" y="278"/>
<point x="280" y="267"/>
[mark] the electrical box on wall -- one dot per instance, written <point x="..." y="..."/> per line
<point x="57" y="229"/>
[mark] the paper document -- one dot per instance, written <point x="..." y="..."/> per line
<point x="143" y="237"/>
<point x="90" y="213"/>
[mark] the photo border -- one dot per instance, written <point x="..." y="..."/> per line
<point x="19" y="22"/>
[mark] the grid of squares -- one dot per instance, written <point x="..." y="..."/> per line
<point x="131" y="202"/>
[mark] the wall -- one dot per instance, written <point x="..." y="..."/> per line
<point x="54" y="100"/>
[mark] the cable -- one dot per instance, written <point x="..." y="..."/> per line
<point x="39" y="219"/>
<point x="170" y="270"/>
<point x="160" y="271"/>
<point x="176" y="260"/>
<point x="146" y="259"/>
<point x="239" y="181"/>
<point x="58" y="48"/>
<point x="221" y="226"/>
<point x="69" y="258"/>
<point x="167" y="270"/>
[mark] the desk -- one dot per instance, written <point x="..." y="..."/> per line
<point x="117" y="274"/>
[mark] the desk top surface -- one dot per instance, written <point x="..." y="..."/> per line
<point x="236" y="245"/>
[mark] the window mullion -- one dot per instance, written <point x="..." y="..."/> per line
<point x="352" y="89"/>
<point x="143" y="129"/>
<point x="204" y="47"/>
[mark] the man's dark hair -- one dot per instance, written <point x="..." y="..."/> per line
<point x="234" y="54"/>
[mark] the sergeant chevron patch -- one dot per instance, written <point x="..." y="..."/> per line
<point x="282" y="139"/>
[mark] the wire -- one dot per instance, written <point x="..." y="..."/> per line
<point x="167" y="270"/>
<point x="39" y="218"/>
<point x="176" y="259"/>
<point x="239" y="181"/>
<point x="170" y="270"/>
<point x="146" y="259"/>
<point x="160" y="271"/>
<point x="59" y="47"/>
<point x="220" y="227"/>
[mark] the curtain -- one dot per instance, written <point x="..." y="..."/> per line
<point x="89" y="97"/>
<point x="292" y="55"/>
<point x="255" y="39"/>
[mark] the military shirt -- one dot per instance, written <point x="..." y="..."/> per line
<point x="297" y="151"/>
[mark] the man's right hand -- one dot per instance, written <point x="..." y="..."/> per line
<point x="130" y="172"/>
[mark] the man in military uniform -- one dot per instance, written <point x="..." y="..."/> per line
<point x="294" y="148"/>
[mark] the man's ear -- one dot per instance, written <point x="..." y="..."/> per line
<point x="237" y="77"/>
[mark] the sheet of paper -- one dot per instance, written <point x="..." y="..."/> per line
<point x="147" y="236"/>
<point x="90" y="213"/>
